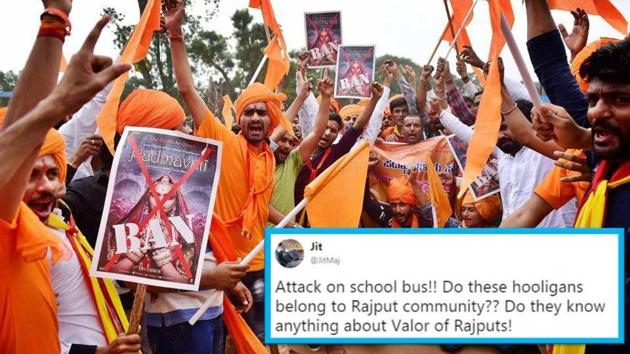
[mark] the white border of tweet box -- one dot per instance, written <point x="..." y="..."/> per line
<point x="448" y="254"/>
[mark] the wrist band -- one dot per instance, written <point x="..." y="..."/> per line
<point x="52" y="29"/>
<point x="60" y="15"/>
<point x="511" y="110"/>
<point x="176" y="38"/>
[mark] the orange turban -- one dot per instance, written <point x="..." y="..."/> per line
<point x="489" y="208"/>
<point x="258" y="92"/>
<point x="350" y="110"/>
<point x="55" y="146"/>
<point x="149" y="108"/>
<point x="333" y="103"/>
<point x="400" y="189"/>
<point x="585" y="54"/>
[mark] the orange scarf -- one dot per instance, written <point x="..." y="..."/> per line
<point x="254" y="204"/>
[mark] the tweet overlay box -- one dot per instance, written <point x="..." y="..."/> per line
<point x="444" y="286"/>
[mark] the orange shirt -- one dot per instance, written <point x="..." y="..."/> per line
<point x="28" y="310"/>
<point x="557" y="193"/>
<point x="233" y="189"/>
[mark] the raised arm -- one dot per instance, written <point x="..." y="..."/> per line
<point x="309" y="143"/>
<point x="423" y="88"/>
<point x="405" y="88"/>
<point x="20" y="142"/>
<point x="174" y="17"/>
<point x="377" y="91"/>
<point x="456" y="101"/>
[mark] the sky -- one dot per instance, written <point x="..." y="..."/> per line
<point x="399" y="27"/>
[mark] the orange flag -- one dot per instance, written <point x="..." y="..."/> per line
<point x="460" y="10"/>
<point x="488" y="122"/>
<point x="136" y="50"/>
<point x="226" y="112"/>
<point x="348" y="175"/>
<point x="480" y="76"/>
<point x="601" y="8"/>
<point x="242" y="336"/>
<point x="439" y="200"/>
<point x="276" y="50"/>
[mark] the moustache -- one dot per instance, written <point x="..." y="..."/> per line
<point x="605" y="124"/>
<point x="45" y="195"/>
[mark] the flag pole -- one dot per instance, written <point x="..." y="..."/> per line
<point x="258" y="69"/>
<point x="250" y="256"/>
<point x="450" y="23"/>
<point x="520" y="63"/>
<point x="460" y="30"/>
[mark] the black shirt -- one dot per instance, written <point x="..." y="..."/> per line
<point x="86" y="198"/>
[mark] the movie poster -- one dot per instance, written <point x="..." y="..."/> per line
<point x="323" y="37"/>
<point x="355" y="71"/>
<point x="158" y="209"/>
<point x="487" y="183"/>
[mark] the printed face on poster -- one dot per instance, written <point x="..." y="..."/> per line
<point x="323" y="37"/>
<point x="355" y="71"/>
<point x="487" y="183"/>
<point x="158" y="209"/>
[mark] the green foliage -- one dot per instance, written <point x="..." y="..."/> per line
<point x="7" y="80"/>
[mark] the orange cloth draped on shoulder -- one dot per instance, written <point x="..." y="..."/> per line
<point x="258" y="92"/>
<point x="489" y="208"/>
<point x="135" y="50"/>
<point x="246" y="183"/>
<point x="488" y="122"/>
<point x="149" y="108"/>
<point x="460" y="10"/>
<point x="557" y="193"/>
<point x="603" y="8"/>
<point x="276" y="50"/>
<point x="584" y="54"/>
<point x="28" y="309"/>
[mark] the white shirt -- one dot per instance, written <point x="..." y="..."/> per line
<point x="79" y="322"/>
<point x="518" y="176"/>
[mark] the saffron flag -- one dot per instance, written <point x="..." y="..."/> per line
<point x="460" y="10"/>
<point x="488" y="122"/>
<point x="276" y="50"/>
<point x="226" y="112"/>
<point x="347" y="175"/>
<point x="602" y="8"/>
<point x="439" y="200"/>
<point x="242" y="336"/>
<point x="135" y="50"/>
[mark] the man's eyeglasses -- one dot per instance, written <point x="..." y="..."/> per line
<point x="250" y="112"/>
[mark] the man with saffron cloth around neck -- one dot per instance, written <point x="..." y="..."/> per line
<point x="247" y="176"/>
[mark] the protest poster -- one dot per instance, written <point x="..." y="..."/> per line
<point x="487" y="183"/>
<point x="323" y="37"/>
<point x="354" y="72"/>
<point x="158" y="209"/>
<point x="397" y="159"/>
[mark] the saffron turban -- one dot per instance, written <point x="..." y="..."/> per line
<point x="149" y="108"/>
<point x="399" y="189"/>
<point x="351" y="110"/>
<point x="489" y="208"/>
<point x="55" y="146"/>
<point x="258" y="92"/>
<point x="585" y="54"/>
<point x="333" y="103"/>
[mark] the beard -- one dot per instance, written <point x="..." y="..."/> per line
<point x="617" y="146"/>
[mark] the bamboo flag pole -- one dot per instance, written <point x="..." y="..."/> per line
<point x="460" y="30"/>
<point x="136" y="310"/>
<point x="520" y="63"/>
<point x="450" y="23"/>
<point x="250" y="256"/>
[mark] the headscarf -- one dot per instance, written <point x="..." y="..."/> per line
<point x="258" y="92"/>
<point x="333" y="103"/>
<point x="400" y="189"/>
<point x="350" y="110"/>
<point x="149" y="108"/>
<point x="584" y="54"/>
<point x="489" y="208"/>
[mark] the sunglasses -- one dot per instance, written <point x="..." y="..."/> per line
<point x="250" y="112"/>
